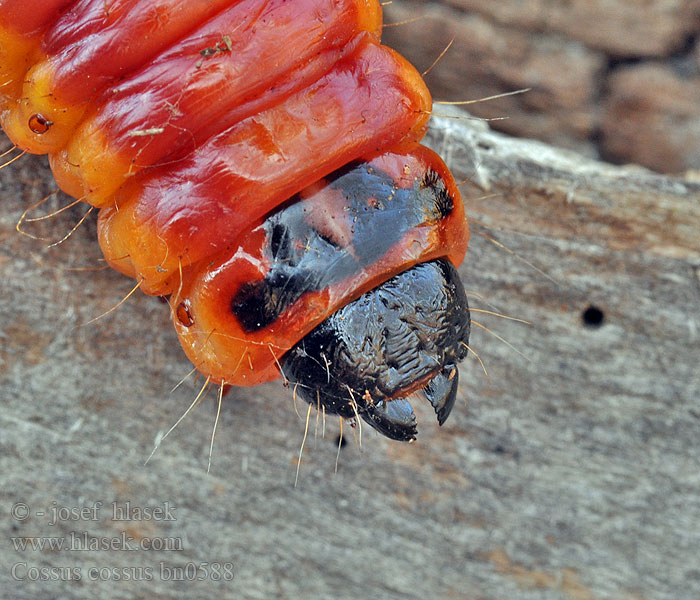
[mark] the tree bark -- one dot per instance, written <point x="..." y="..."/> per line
<point x="571" y="471"/>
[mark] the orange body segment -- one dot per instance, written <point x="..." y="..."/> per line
<point x="336" y="230"/>
<point x="196" y="125"/>
<point x="86" y="49"/>
<point x="22" y="26"/>
<point x="31" y="17"/>
<point x="184" y="212"/>
<point x="228" y="69"/>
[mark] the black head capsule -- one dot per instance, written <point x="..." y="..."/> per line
<point x="404" y="337"/>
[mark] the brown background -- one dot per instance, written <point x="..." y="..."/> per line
<point x="618" y="79"/>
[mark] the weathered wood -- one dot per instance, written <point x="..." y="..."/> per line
<point x="610" y="79"/>
<point x="573" y="470"/>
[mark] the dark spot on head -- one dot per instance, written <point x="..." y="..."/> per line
<point x="250" y="305"/>
<point x="340" y="440"/>
<point x="593" y="316"/>
<point x="258" y="304"/>
<point x="276" y="237"/>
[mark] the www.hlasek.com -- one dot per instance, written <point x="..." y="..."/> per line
<point x="80" y="541"/>
<point x="191" y="571"/>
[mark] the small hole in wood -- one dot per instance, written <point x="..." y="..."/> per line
<point x="593" y="317"/>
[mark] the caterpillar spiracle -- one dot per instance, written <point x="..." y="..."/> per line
<point x="259" y="163"/>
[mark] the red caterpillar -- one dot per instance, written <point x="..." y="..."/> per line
<point x="258" y="161"/>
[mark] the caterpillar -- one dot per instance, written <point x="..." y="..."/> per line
<point x="258" y="162"/>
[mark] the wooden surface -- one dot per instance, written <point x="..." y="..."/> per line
<point x="613" y="79"/>
<point x="571" y="472"/>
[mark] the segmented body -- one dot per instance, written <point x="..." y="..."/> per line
<point x="258" y="161"/>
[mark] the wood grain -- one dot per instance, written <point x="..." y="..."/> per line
<point x="571" y="472"/>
